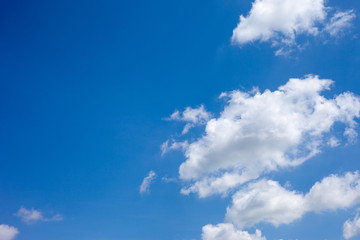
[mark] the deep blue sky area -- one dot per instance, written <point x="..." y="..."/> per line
<point x="84" y="90"/>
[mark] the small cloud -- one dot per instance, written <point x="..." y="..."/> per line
<point x="351" y="135"/>
<point x="29" y="216"/>
<point x="333" y="142"/>
<point x="287" y="185"/>
<point x="33" y="216"/>
<point x="166" y="147"/>
<point x="145" y="185"/>
<point x="351" y="228"/>
<point x="168" y="180"/>
<point x="55" y="218"/>
<point x="227" y="231"/>
<point x="192" y="117"/>
<point x="8" y="232"/>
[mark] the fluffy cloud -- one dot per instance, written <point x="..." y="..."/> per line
<point x="33" y="216"/>
<point x="29" y="216"/>
<point x="267" y="201"/>
<point x="334" y="192"/>
<point x="8" y="232"/>
<point x="268" y="18"/>
<point x="193" y="117"/>
<point x="351" y="228"/>
<point x="226" y="231"/>
<point x="280" y="21"/>
<point x="145" y="185"/>
<point x="262" y="132"/>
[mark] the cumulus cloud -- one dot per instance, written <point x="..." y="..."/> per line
<point x="351" y="228"/>
<point x="334" y="192"/>
<point x="280" y="21"/>
<point x="145" y="185"/>
<point x="261" y="132"/>
<point x="226" y="231"/>
<point x="31" y="216"/>
<point x="192" y="117"/>
<point x="267" y="201"/>
<point x="8" y="232"/>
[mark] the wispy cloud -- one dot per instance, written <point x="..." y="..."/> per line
<point x="145" y="185"/>
<point x="32" y="216"/>
<point x="167" y="146"/>
<point x="169" y="180"/>
<point x="340" y="22"/>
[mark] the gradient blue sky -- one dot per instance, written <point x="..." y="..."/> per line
<point x="84" y="90"/>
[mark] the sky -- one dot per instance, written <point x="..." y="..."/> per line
<point x="180" y="120"/>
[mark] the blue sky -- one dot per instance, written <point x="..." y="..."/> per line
<point x="87" y="93"/>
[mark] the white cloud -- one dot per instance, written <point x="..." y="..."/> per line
<point x="333" y="142"/>
<point x="262" y="132"/>
<point x="267" y="201"/>
<point x="351" y="134"/>
<point x="218" y="185"/>
<point x="334" y="192"/>
<point x="166" y="146"/>
<point x="33" y="216"/>
<point x="226" y="231"/>
<point x="193" y="117"/>
<point x="280" y="21"/>
<point x="29" y="216"/>
<point x="145" y="185"/>
<point x="259" y="132"/>
<point x="269" y="18"/>
<point x="7" y="232"/>
<point x="351" y="228"/>
<point x="339" y="22"/>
